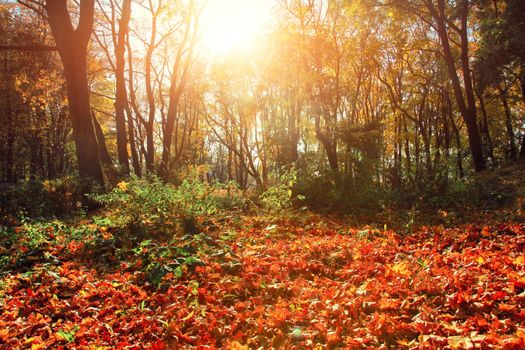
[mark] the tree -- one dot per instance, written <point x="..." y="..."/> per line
<point x="35" y="129"/>
<point x="502" y="48"/>
<point x="72" y="44"/>
<point x="178" y="80"/>
<point x="443" y="14"/>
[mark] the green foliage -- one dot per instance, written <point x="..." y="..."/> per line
<point x="160" y="259"/>
<point x="455" y="200"/>
<point x="279" y="197"/>
<point x="199" y="198"/>
<point x="41" y="199"/>
<point x="493" y="190"/>
<point x="141" y="203"/>
<point x="327" y="191"/>
<point x="27" y="244"/>
<point x="488" y="191"/>
<point x="502" y="38"/>
<point x="68" y="336"/>
<point x="47" y="243"/>
<point x="151" y="206"/>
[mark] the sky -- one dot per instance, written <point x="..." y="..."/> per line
<point x="230" y="25"/>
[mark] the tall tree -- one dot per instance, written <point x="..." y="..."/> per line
<point x="178" y="80"/>
<point x="443" y="14"/>
<point x="502" y="47"/>
<point x="72" y="44"/>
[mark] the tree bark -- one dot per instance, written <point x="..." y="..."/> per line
<point x="105" y="158"/>
<point x="179" y="79"/>
<point x="513" y="152"/>
<point x="8" y="173"/>
<point x="148" y="125"/>
<point x="330" y="146"/>
<point x="72" y="47"/>
<point x="522" y="151"/>
<point x="484" y="128"/>
<point x="459" y="159"/>
<point x="133" y="109"/>
<point x="121" y="98"/>
<point x="467" y="108"/>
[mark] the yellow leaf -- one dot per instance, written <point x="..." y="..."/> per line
<point x="459" y="342"/>
<point x="520" y="260"/>
<point x="123" y="186"/>
<point x="402" y="268"/>
<point x="238" y="346"/>
<point x="4" y="334"/>
<point x="190" y="315"/>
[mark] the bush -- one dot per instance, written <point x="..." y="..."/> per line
<point x="31" y="243"/>
<point x="151" y="206"/>
<point x="492" y="190"/>
<point x="198" y="198"/>
<point x="139" y="202"/>
<point x="41" y="199"/>
<point x="279" y="197"/>
<point x="328" y="192"/>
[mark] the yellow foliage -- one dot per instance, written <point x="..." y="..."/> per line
<point x="402" y="268"/>
<point x="123" y="186"/>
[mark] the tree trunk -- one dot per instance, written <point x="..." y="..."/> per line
<point x="293" y="135"/>
<point x="102" y="148"/>
<point x="121" y="99"/>
<point x="485" y="129"/>
<point x="407" y="150"/>
<point x="150" y="147"/>
<point x="8" y="110"/>
<point x="329" y="146"/>
<point x="513" y="152"/>
<point x="179" y="78"/>
<point x="132" y="107"/>
<point x="132" y="144"/>
<point x="459" y="159"/>
<point x="148" y="125"/>
<point x="72" y="47"/>
<point x="466" y="108"/>
<point x="75" y="67"/>
<point x="522" y="151"/>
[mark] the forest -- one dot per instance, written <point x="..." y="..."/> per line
<point x="262" y="174"/>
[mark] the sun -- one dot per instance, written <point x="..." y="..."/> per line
<point x="232" y="25"/>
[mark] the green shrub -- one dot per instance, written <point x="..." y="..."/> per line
<point x="492" y="191"/>
<point x="198" y="198"/>
<point x="41" y="199"/>
<point x="326" y="191"/>
<point x="279" y="197"/>
<point x="140" y="202"/>
<point x="151" y="206"/>
<point x="159" y="259"/>
<point x="30" y="243"/>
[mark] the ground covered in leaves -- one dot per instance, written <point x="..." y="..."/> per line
<point x="265" y="284"/>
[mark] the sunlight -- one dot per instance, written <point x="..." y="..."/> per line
<point x="231" y="25"/>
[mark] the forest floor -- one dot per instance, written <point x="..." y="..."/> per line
<point x="260" y="283"/>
